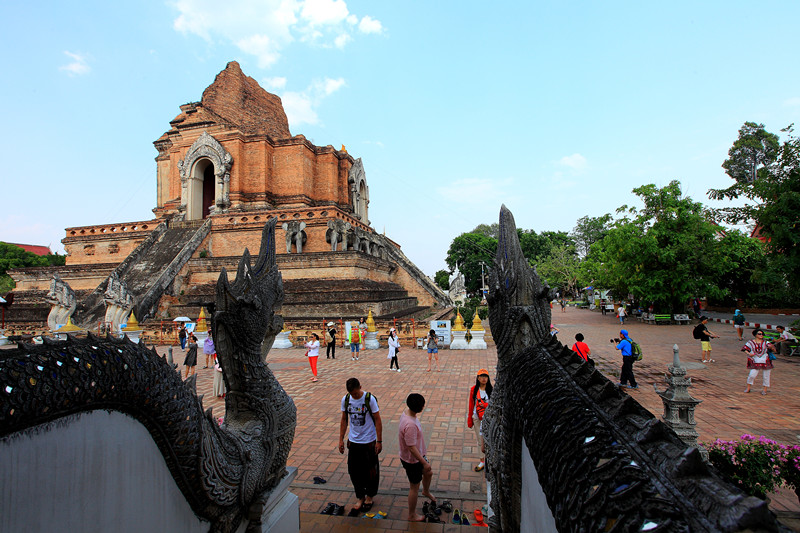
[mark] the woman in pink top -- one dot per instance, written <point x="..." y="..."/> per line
<point x="412" y="454"/>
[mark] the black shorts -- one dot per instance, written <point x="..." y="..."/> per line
<point x="413" y="471"/>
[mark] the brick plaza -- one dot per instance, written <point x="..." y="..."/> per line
<point x="726" y="412"/>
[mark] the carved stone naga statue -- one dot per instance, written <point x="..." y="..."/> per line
<point x="62" y="300"/>
<point x="600" y="460"/>
<point x="225" y="472"/>
<point x="119" y="301"/>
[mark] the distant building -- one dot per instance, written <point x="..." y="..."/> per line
<point x="33" y="248"/>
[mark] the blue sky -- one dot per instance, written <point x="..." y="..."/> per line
<point x="556" y="109"/>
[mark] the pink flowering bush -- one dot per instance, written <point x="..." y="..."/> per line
<point x="756" y="464"/>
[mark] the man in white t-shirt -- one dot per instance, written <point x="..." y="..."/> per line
<point x="783" y="345"/>
<point x="363" y="442"/>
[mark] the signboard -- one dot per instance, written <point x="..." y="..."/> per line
<point x="442" y="329"/>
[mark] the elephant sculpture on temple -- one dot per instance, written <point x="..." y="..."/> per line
<point x="294" y="234"/>
<point x="337" y="232"/>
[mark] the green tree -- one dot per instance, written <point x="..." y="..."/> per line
<point x="12" y="256"/>
<point x="752" y="154"/>
<point x="468" y="251"/>
<point x="665" y="253"/>
<point x="589" y="230"/>
<point x="561" y="269"/>
<point x="772" y="203"/>
<point x="489" y="230"/>
<point x="442" y="279"/>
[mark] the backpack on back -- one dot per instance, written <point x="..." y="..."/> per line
<point x="697" y="333"/>
<point x="636" y="351"/>
<point x="366" y="403"/>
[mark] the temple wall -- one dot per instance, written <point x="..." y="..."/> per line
<point x="105" y="243"/>
<point x="79" y="277"/>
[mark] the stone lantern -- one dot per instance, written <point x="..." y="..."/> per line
<point x="678" y="404"/>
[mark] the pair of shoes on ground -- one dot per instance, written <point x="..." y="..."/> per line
<point x="634" y="387"/>
<point x="380" y="515"/>
<point x="460" y="518"/>
<point x="333" y="509"/>
<point x="431" y="508"/>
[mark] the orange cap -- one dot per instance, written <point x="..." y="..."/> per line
<point x="483" y="372"/>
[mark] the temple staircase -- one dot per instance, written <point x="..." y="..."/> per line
<point x="148" y="270"/>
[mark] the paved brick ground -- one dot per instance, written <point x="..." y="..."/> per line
<point x="726" y="412"/>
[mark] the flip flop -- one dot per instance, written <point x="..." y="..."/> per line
<point x="354" y="512"/>
<point x="478" y="516"/>
<point x="456" y="516"/>
<point x="318" y="480"/>
<point x="381" y="515"/>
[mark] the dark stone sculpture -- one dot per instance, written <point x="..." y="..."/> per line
<point x="225" y="472"/>
<point x="604" y="462"/>
<point x="295" y="234"/>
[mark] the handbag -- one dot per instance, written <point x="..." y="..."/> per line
<point x="771" y="355"/>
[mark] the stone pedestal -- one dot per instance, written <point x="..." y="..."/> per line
<point x="371" y="341"/>
<point x="459" y="341"/>
<point x="133" y="334"/>
<point x="280" y="512"/>
<point x="477" y="342"/>
<point x="679" y="406"/>
<point x="201" y="338"/>
<point x="282" y="341"/>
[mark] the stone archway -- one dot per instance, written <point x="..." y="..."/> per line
<point x="357" y="180"/>
<point x="205" y="160"/>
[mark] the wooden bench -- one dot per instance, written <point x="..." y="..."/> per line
<point x="681" y="319"/>
<point x="662" y="319"/>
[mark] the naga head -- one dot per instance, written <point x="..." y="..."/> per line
<point x="518" y="300"/>
<point x="244" y="321"/>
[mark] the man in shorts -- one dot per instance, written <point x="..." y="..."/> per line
<point x="355" y="339"/>
<point x="364" y="443"/>
<point x="412" y="454"/>
<point x="701" y="332"/>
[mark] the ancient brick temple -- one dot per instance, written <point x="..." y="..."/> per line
<point x="226" y="165"/>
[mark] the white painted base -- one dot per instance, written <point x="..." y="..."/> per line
<point x="133" y="335"/>
<point x="201" y="338"/>
<point x="282" y="341"/>
<point x="459" y="341"/>
<point x="477" y="342"/>
<point x="371" y="341"/>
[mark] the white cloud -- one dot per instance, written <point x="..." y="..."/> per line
<point x="278" y="82"/>
<point x="265" y="28"/>
<point x="792" y="102"/>
<point x="322" y="12"/>
<point x="299" y="109"/>
<point x="342" y="40"/>
<point x="78" y="65"/>
<point x="300" y="106"/>
<point x="370" y="25"/>
<point x="575" y="161"/>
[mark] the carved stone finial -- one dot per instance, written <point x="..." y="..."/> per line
<point x="133" y="324"/>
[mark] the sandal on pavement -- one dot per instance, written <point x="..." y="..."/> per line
<point x="456" y="516"/>
<point x="354" y="512"/>
<point x="318" y="480"/>
<point x="446" y="506"/>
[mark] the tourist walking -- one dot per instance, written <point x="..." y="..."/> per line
<point x="208" y="349"/>
<point x="362" y="327"/>
<point x="330" y="342"/>
<point x="623" y="344"/>
<point x="354" y="338"/>
<point x="621" y="313"/>
<point x="704" y="336"/>
<point x="581" y="348"/>
<point x="603" y="307"/>
<point x="783" y="345"/>
<point x="479" y="395"/>
<point x="433" y="350"/>
<point x="364" y="442"/>
<point x="190" y="361"/>
<point x="219" y="380"/>
<point x="563" y="303"/>
<point x="182" y="336"/>
<point x="412" y="454"/>
<point x="738" y="323"/>
<point x="394" y="349"/>
<point x="313" y="354"/>
<point x="758" y="358"/>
